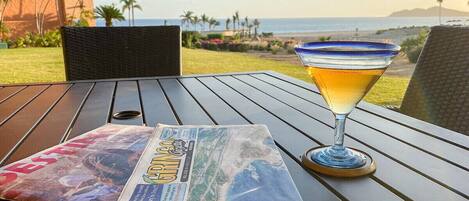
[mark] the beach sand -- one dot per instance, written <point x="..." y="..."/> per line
<point x="396" y="36"/>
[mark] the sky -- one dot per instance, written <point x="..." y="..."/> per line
<point x="168" y="9"/>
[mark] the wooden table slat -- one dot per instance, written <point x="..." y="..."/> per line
<point x="14" y="104"/>
<point x="296" y="143"/>
<point x="61" y="116"/>
<point x="442" y="149"/>
<point x="185" y="107"/>
<point x="95" y="111"/>
<point x="446" y="173"/>
<point x="405" y="134"/>
<point x="7" y="92"/>
<point x="18" y="127"/>
<point x="219" y="110"/>
<point x="299" y="120"/>
<point x="416" y="160"/>
<point x="398" y="118"/>
<point x="127" y="98"/>
<point x="156" y="108"/>
<point x="426" y="143"/>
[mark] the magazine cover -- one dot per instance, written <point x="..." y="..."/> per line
<point x="212" y="163"/>
<point x="92" y="166"/>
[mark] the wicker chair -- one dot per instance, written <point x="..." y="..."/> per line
<point x="121" y="52"/>
<point x="439" y="89"/>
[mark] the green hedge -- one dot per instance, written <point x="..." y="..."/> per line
<point x="413" y="46"/>
<point x="215" y="36"/>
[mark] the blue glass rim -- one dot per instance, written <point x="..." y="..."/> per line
<point x="370" y="48"/>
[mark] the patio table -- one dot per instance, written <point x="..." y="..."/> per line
<point x="415" y="160"/>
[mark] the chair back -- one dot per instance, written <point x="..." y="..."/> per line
<point x="121" y="52"/>
<point x="438" y="91"/>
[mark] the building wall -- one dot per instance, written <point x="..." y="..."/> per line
<point x="20" y="16"/>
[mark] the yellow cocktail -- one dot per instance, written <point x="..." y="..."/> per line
<point x="343" y="71"/>
<point x="344" y="88"/>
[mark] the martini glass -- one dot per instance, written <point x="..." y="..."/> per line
<point x="343" y="71"/>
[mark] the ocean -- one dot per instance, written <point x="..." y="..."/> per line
<point x="307" y="25"/>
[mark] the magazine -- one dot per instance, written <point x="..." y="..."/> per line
<point x="92" y="166"/>
<point x="194" y="163"/>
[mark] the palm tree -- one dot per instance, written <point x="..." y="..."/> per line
<point x="187" y="18"/>
<point x="242" y="30"/>
<point x="249" y="29"/>
<point x="212" y="23"/>
<point x="439" y="10"/>
<point x="130" y="5"/>
<point x="227" y="23"/>
<point x="237" y="17"/>
<point x="256" y="24"/>
<point x="109" y="13"/>
<point x="134" y="5"/>
<point x="127" y="5"/>
<point x="195" y="21"/>
<point x="204" y="19"/>
<point x="3" y="5"/>
<point x="246" y="23"/>
<point x="234" y="23"/>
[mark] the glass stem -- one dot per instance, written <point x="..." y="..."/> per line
<point x="339" y="132"/>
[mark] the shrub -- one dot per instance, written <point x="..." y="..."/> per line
<point x="238" y="47"/>
<point x="258" y="47"/>
<point x="212" y="46"/>
<point x="49" y="39"/>
<point x="379" y="32"/>
<point x="189" y="38"/>
<point x="413" y="55"/>
<point x="275" y="49"/>
<point x="291" y="50"/>
<point x="267" y="34"/>
<point x="198" y="45"/>
<point x="236" y="37"/>
<point x="324" y="38"/>
<point x="413" y="46"/>
<point x="274" y="43"/>
<point x="215" y="36"/>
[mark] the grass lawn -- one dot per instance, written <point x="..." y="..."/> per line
<point x="46" y="64"/>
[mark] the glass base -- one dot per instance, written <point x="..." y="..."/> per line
<point x="338" y="157"/>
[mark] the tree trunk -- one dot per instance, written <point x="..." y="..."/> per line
<point x="61" y="12"/>
<point x="108" y="22"/>
<point x="133" y="16"/>
<point x="2" y="10"/>
<point x="129" y="17"/>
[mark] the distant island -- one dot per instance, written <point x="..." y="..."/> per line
<point x="429" y="12"/>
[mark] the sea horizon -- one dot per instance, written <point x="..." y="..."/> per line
<point x="312" y="24"/>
